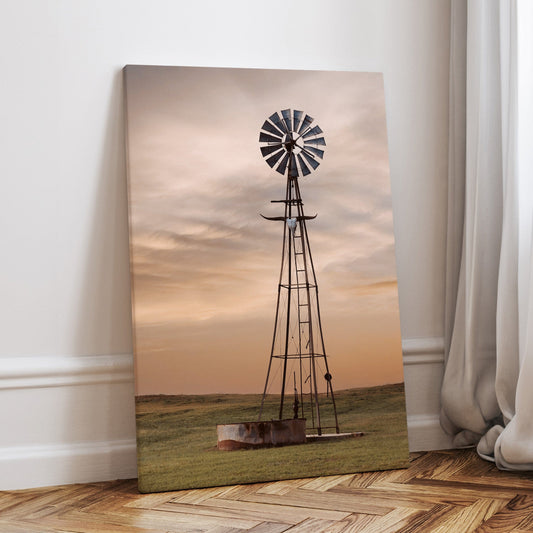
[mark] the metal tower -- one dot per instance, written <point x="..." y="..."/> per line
<point x="298" y="355"/>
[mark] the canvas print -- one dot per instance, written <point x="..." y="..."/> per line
<point x="265" y="307"/>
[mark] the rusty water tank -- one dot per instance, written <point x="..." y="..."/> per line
<point x="245" y="435"/>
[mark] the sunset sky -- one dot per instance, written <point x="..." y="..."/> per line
<point x="206" y="265"/>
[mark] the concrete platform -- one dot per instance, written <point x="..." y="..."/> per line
<point x="333" y="436"/>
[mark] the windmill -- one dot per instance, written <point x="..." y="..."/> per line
<point x="293" y="147"/>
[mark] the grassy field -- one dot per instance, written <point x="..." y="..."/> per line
<point x="176" y="440"/>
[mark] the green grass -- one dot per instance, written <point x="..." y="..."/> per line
<point x="176" y="440"/>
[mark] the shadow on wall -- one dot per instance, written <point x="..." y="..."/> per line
<point x="104" y="320"/>
<point x="104" y="410"/>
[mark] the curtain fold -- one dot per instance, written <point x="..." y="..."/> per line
<point x="487" y="392"/>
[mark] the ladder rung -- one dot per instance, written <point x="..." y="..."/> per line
<point x="304" y="321"/>
<point x="302" y="304"/>
<point x="300" y="270"/>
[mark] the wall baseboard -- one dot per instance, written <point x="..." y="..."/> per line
<point x="426" y="433"/>
<point x="37" y="466"/>
<point x="423" y="360"/>
<point x="72" y="418"/>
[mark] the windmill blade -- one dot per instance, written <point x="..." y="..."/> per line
<point x="283" y="165"/>
<point x="266" y="138"/>
<point x="278" y="122"/>
<point x="310" y="159"/>
<point x="313" y="131"/>
<point x="306" y="123"/>
<point x="316" y="151"/>
<point x="319" y="141"/>
<point x="293" y="169"/>
<point x="265" y="150"/>
<point x="297" y="118"/>
<point x="287" y="118"/>
<point x="303" y="166"/>
<point x="273" y="159"/>
<point x="268" y="126"/>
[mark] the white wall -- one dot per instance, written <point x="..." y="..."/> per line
<point x="66" y="384"/>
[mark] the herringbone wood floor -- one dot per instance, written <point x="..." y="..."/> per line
<point x="451" y="491"/>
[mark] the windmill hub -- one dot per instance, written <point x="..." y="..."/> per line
<point x="290" y="143"/>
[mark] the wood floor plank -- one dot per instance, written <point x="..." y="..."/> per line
<point x="33" y="504"/>
<point x="224" y="529"/>
<point x="150" y="501"/>
<point x="331" y="501"/>
<point x="198" y="495"/>
<point x="316" y="525"/>
<point x="283" y="512"/>
<point x="269" y="527"/>
<point x="427" y="520"/>
<point x="281" y="487"/>
<point x="511" y="517"/>
<point x="367" y="479"/>
<point x="397" y="495"/>
<point x="322" y="484"/>
<point x="451" y="465"/>
<point x="200" y="515"/>
<point x="423" y="467"/>
<point x="14" y="526"/>
<point x="476" y="490"/>
<point x="477" y="467"/>
<point x="89" y="524"/>
<point x="182" y="522"/>
<point x="470" y="517"/>
<point x="391" y="522"/>
<point x="437" y="492"/>
<point x="501" y="479"/>
<point x="353" y="524"/>
<point x="178" y="522"/>
<point x="523" y="504"/>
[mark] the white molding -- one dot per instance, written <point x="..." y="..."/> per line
<point x="423" y="351"/>
<point x="416" y="345"/>
<point x="423" y="359"/>
<point x="58" y="464"/>
<point x="59" y="371"/>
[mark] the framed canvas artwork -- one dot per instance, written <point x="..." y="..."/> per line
<point x="264" y="294"/>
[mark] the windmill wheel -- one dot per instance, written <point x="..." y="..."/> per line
<point x="290" y="144"/>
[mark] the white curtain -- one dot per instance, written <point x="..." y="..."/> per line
<point x="487" y="392"/>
